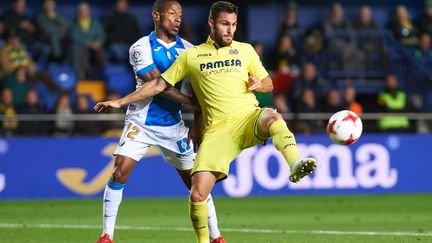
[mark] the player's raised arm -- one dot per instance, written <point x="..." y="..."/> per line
<point x="149" y="89"/>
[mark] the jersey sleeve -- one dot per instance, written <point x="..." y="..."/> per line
<point x="140" y="57"/>
<point x="177" y="71"/>
<point x="256" y="68"/>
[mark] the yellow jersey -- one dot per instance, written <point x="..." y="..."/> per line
<point x="219" y="77"/>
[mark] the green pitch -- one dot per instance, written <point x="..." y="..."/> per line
<point x="377" y="218"/>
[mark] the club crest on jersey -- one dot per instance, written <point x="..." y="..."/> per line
<point x="233" y="51"/>
<point x="183" y="145"/>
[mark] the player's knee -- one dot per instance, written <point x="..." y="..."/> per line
<point x="272" y="117"/>
<point x="119" y="176"/>
<point x="197" y="196"/>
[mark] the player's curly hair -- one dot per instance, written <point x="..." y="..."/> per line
<point x="158" y="5"/>
<point x="221" y="6"/>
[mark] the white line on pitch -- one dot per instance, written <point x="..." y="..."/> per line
<point x="259" y="231"/>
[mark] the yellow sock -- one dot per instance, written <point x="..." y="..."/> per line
<point x="198" y="213"/>
<point x="284" y="141"/>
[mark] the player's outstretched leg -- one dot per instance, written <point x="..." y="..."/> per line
<point x="202" y="183"/>
<point x="113" y="196"/>
<point x="272" y="124"/>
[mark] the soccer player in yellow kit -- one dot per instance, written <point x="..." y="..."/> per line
<point x="220" y="71"/>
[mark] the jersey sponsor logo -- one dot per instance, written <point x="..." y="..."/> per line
<point x="204" y="55"/>
<point x="157" y="48"/>
<point x="233" y="51"/>
<point x="220" y="64"/>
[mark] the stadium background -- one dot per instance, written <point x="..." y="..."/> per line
<point x="391" y="167"/>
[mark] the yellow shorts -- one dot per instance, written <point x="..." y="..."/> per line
<point x="223" y="141"/>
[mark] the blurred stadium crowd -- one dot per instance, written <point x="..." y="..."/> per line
<point x="54" y="62"/>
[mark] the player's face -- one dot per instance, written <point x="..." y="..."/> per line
<point x="223" y="28"/>
<point x="170" y="18"/>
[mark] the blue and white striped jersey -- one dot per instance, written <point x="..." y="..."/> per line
<point x="144" y="55"/>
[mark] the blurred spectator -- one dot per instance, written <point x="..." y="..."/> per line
<point x="263" y="99"/>
<point x="349" y="100"/>
<point x="32" y="106"/>
<point x="259" y="49"/>
<point x="333" y="102"/>
<point x="16" y="20"/>
<point x="289" y="25"/>
<point x="10" y="120"/>
<point x="88" y="39"/>
<point x="340" y="36"/>
<point x="63" y="123"/>
<point x="285" y="57"/>
<point x="281" y="102"/>
<point x="369" y="39"/>
<point x="311" y="79"/>
<point x="19" y="85"/>
<point x="364" y="20"/>
<point x="423" y="52"/>
<point x="53" y="29"/>
<point x="403" y="28"/>
<point x="122" y="30"/>
<point x="425" y="21"/>
<point x="85" y="128"/>
<point x="14" y="55"/>
<point x="114" y="128"/>
<point x="2" y="32"/>
<point x="393" y="100"/>
<point x="308" y="104"/>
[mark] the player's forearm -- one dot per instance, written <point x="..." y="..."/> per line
<point x="149" y="89"/>
<point x="174" y="94"/>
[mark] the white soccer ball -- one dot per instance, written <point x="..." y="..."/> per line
<point x="344" y="127"/>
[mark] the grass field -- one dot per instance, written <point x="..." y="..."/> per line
<point x="378" y="218"/>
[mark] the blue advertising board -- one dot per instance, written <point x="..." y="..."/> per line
<point x="40" y="168"/>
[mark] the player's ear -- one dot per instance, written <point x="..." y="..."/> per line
<point x="211" y="24"/>
<point x="156" y="16"/>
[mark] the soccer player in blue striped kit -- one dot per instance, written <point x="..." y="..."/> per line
<point x="155" y="121"/>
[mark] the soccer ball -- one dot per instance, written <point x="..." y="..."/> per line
<point x="344" y="127"/>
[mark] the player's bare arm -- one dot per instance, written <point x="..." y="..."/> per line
<point x="149" y="89"/>
<point x="196" y="133"/>
<point x="262" y="86"/>
<point x="170" y="92"/>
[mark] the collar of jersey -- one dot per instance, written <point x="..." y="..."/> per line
<point x="153" y="36"/>
<point x="211" y="42"/>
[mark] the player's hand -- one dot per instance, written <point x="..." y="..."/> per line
<point x="254" y="83"/>
<point x="195" y="104"/>
<point x="195" y="135"/>
<point x="106" y="105"/>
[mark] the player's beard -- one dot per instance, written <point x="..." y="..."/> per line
<point x="219" y="39"/>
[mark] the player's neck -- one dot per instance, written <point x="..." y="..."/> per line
<point x="215" y="44"/>
<point x="161" y="35"/>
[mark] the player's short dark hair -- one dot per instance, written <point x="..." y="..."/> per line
<point x="218" y="7"/>
<point x="158" y="5"/>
